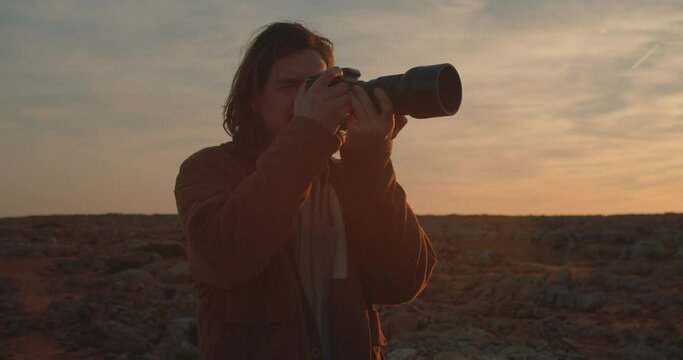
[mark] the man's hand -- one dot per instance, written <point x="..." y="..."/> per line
<point x="322" y="103"/>
<point x="366" y="122"/>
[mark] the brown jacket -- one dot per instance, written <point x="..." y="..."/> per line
<point x="237" y="205"/>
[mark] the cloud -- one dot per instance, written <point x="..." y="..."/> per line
<point x="559" y="98"/>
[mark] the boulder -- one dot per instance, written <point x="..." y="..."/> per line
<point x="123" y="339"/>
<point x="131" y="281"/>
<point x="402" y="354"/>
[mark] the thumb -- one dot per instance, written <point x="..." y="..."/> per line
<point x="399" y="122"/>
<point x="352" y="123"/>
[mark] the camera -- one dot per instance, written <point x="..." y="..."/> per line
<point x="421" y="92"/>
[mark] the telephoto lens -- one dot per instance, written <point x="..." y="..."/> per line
<point x="421" y="92"/>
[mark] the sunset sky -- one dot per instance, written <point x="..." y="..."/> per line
<point x="569" y="107"/>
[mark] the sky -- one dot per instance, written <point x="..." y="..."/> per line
<point x="568" y="107"/>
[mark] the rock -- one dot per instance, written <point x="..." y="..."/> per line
<point x="553" y="327"/>
<point x="518" y="352"/>
<point x="625" y="282"/>
<point x="183" y="330"/>
<point x="597" y="251"/>
<point x="55" y="249"/>
<point x="630" y="310"/>
<point x="65" y="313"/>
<point x="557" y="296"/>
<point x="501" y="326"/>
<point x="487" y="357"/>
<point x="448" y="355"/>
<point x="401" y="322"/>
<point x="95" y="333"/>
<point x="132" y="280"/>
<point x="131" y="260"/>
<point x="498" y="286"/>
<point x="506" y="288"/>
<point x="647" y="248"/>
<point x="669" y="312"/>
<point x="627" y="337"/>
<point x="479" y="304"/>
<point x="654" y="301"/>
<point x="639" y="351"/>
<point x="186" y="355"/>
<point x="78" y="283"/>
<point x="186" y="302"/>
<point x="469" y="334"/>
<point x="591" y="301"/>
<point x="526" y="311"/>
<point x="123" y="339"/>
<point x="180" y="356"/>
<point x="12" y="247"/>
<point x="448" y="317"/>
<point x="536" y="343"/>
<point x="84" y="262"/>
<point x="167" y="249"/>
<point x="134" y="244"/>
<point x="529" y="292"/>
<point x="481" y="258"/>
<point x="673" y="347"/>
<point x="18" y="327"/>
<point x="563" y="276"/>
<point x="402" y="354"/>
<point x="180" y="337"/>
<point x="677" y="298"/>
<point x="602" y="333"/>
<point x="8" y="294"/>
<point x="564" y="299"/>
<point x="178" y="273"/>
<point x="558" y="240"/>
<point x="671" y="271"/>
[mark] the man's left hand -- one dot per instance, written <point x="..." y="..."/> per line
<point x="366" y="122"/>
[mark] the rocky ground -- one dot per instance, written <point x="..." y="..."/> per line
<point x="117" y="287"/>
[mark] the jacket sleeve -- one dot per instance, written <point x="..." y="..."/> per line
<point x="235" y="228"/>
<point x="396" y="256"/>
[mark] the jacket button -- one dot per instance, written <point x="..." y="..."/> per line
<point x="315" y="352"/>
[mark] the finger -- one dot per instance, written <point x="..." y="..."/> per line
<point x="343" y="103"/>
<point x="357" y="107"/>
<point x="350" y="118"/>
<point x="351" y="122"/>
<point x="325" y="78"/>
<point x="384" y="102"/>
<point x="336" y="90"/>
<point x="400" y="122"/>
<point x="364" y="100"/>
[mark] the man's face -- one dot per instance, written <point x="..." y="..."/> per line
<point x="276" y="104"/>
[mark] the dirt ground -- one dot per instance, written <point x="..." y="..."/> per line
<point x="582" y="287"/>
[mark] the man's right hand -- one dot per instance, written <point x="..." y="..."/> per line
<point x="322" y="103"/>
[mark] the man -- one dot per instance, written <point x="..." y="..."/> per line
<point x="289" y="247"/>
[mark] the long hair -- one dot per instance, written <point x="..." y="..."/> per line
<point x="271" y="43"/>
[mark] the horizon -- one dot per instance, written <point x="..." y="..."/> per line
<point x="418" y="215"/>
<point x="568" y="108"/>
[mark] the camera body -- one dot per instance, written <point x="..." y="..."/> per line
<point x="350" y="76"/>
<point x="421" y="92"/>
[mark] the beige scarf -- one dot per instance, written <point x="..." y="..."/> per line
<point x="321" y="247"/>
